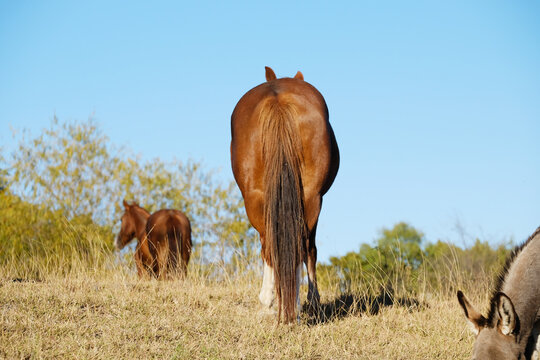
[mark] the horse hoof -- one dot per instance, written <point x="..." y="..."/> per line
<point x="266" y="311"/>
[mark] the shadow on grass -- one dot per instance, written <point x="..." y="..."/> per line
<point x="352" y="304"/>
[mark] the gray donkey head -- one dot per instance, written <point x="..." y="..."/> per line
<point x="494" y="342"/>
<point x="500" y="338"/>
<point x="510" y="331"/>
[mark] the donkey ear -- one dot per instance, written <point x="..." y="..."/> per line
<point x="476" y="320"/>
<point x="299" y="76"/>
<point x="270" y="75"/>
<point x="126" y="205"/>
<point x="508" y="319"/>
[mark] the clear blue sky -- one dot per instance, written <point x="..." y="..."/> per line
<point x="435" y="105"/>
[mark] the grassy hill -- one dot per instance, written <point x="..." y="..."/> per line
<point x="110" y="314"/>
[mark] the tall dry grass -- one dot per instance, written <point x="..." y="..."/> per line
<point x="94" y="306"/>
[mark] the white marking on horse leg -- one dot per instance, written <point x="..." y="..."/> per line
<point x="266" y="296"/>
<point x="298" y="280"/>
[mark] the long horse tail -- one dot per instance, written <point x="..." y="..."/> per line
<point x="285" y="227"/>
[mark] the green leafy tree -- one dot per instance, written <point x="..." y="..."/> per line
<point x="69" y="168"/>
<point x="401" y="246"/>
<point x="71" y="177"/>
<point x="449" y="267"/>
<point x="391" y="263"/>
<point x="401" y="261"/>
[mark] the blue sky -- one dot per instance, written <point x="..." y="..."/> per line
<point x="435" y="105"/>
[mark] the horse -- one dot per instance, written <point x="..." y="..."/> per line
<point x="284" y="158"/>
<point x="510" y="331"/>
<point x="163" y="240"/>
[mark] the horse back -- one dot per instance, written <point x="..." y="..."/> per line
<point x="168" y="224"/>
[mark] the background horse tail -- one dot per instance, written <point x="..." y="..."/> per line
<point x="283" y="209"/>
<point x="174" y="236"/>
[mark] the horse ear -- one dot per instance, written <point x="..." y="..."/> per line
<point x="270" y="75"/>
<point x="508" y="319"/>
<point x="299" y="76"/>
<point x="126" y="205"/>
<point x="476" y="320"/>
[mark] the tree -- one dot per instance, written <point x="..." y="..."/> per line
<point x="393" y="261"/>
<point x="73" y="175"/>
<point x="400" y="247"/>
<point x="69" y="168"/>
<point x="400" y="261"/>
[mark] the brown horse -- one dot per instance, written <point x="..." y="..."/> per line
<point x="163" y="240"/>
<point x="284" y="158"/>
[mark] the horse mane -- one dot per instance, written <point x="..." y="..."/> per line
<point x="491" y="318"/>
<point x="285" y="225"/>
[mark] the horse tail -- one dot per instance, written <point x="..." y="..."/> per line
<point x="174" y="237"/>
<point x="285" y="226"/>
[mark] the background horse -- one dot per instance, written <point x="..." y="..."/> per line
<point x="163" y="240"/>
<point x="284" y="158"/>
<point x="512" y="326"/>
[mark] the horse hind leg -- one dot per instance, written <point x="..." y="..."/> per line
<point x="141" y="270"/>
<point x="298" y="281"/>
<point x="313" y="297"/>
<point x="162" y="259"/>
<point x="175" y="260"/>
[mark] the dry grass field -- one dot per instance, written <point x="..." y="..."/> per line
<point x="112" y="315"/>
